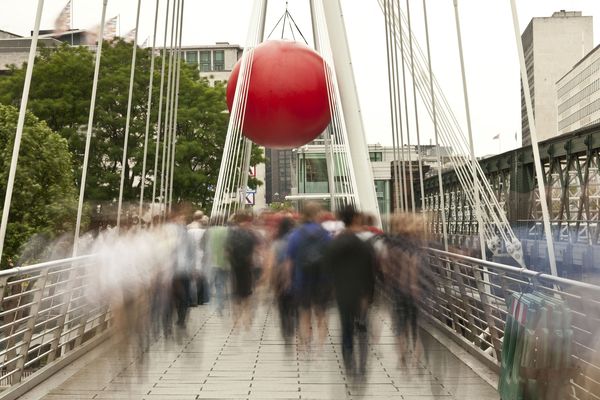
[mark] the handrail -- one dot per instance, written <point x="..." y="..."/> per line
<point x="46" y="315"/>
<point x="468" y="299"/>
<point x="522" y="271"/>
<point x="41" y="266"/>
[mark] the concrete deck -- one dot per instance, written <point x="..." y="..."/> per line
<point x="215" y="360"/>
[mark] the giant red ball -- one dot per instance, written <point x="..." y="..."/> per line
<point x="287" y="104"/>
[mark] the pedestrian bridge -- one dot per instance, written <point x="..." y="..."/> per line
<point x="58" y="343"/>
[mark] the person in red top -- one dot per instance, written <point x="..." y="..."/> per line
<point x="369" y="224"/>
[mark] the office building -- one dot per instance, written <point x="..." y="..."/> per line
<point x="309" y="167"/>
<point x="552" y="45"/>
<point x="215" y="62"/>
<point x="14" y="49"/>
<point x="278" y="176"/>
<point x="578" y="94"/>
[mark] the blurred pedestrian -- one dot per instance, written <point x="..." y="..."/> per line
<point x="280" y="279"/>
<point x="311" y="283"/>
<point x="183" y="265"/>
<point x="401" y="266"/>
<point x="240" y="248"/>
<point x="196" y="230"/>
<point x="353" y="264"/>
<point x="217" y="263"/>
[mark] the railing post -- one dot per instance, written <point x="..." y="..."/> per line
<point x="34" y="311"/>
<point x="436" y="311"/>
<point x="64" y="310"/>
<point x="448" y="292"/>
<point x="3" y="282"/>
<point x="102" y="323"/>
<point x="81" y="330"/>
<point x="487" y="309"/>
<point x="468" y="307"/>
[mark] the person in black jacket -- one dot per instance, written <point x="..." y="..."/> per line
<point x="353" y="265"/>
<point x="240" y="248"/>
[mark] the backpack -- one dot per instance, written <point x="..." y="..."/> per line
<point x="311" y="252"/>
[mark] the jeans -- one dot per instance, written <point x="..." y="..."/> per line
<point x="354" y="322"/>
<point x="220" y="279"/>
<point x="181" y="297"/>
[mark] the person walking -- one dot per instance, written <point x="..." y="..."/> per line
<point x="240" y="248"/>
<point x="184" y="261"/>
<point x="405" y="281"/>
<point x="216" y="262"/>
<point x="311" y="283"/>
<point x="352" y="262"/>
<point x="196" y="230"/>
<point x="279" y="277"/>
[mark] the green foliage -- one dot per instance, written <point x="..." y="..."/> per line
<point x="278" y="206"/>
<point x="44" y="198"/>
<point x="60" y="95"/>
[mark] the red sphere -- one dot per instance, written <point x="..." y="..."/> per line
<point x="288" y="104"/>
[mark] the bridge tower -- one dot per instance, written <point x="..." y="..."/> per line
<point x="346" y="145"/>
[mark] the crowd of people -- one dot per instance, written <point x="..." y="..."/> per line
<point x="307" y="263"/>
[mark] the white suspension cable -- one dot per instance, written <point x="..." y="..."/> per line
<point x="231" y="169"/>
<point x="166" y="141"/>
<point x="461" y="170"/>
<point x="229" y="160"/>
<point x="405" y="95"/>
<point x="451" y="126"/>
<point x="160" y="104"/>
<point x="232" y="184"/>
<point x="417" y="127"/>
<point x="171" y="105"/>
<point x="436" y="133"/>
<point x="392" y="98"/>
<point x="90" y="126"/>
<point x="462" y="173"/>
<point x="20" y="123"/>
<point x="232" y="150"/>
<point x="399" y="132"/>
<point x="469" y="128"/>
<point x="534" y="143"/>
<point x="174" y="123"/>
<point x="148" y="113"/>
<point x="329" y="151"/>
<point x="247" y="144"/>
<point x="340" y="161"/>
<point x="423" y="91"/>
<point x="400" y="125"/>
<point x="447" y="111"/>
<point x="338" y="120"/>
<point x="128" y="119"/>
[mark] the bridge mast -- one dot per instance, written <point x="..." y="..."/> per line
<point x="365" y="188"/>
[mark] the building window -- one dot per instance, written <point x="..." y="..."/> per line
<point x="376" y="156"/>
<point x="382" y="189"/>
<point x="219" y="60"/>
<point x="205" y="61"/>
<point x="191" y="57"/>
<point x="316" y="170"/>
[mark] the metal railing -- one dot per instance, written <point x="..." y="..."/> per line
<point x="45" y="313"/>
<point x="468" y="297"/>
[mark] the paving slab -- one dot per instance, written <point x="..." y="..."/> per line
<point x="215" y="359"/>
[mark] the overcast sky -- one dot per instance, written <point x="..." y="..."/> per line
<point x="489" y="45"/>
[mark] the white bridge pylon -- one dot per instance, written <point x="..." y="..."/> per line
<point x="345" y="137"/>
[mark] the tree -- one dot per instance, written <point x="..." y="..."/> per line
<point x="44" y="197"/>
<point x="60" y="95"/>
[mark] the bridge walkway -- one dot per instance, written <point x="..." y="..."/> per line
<point x="214" y="359"/>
